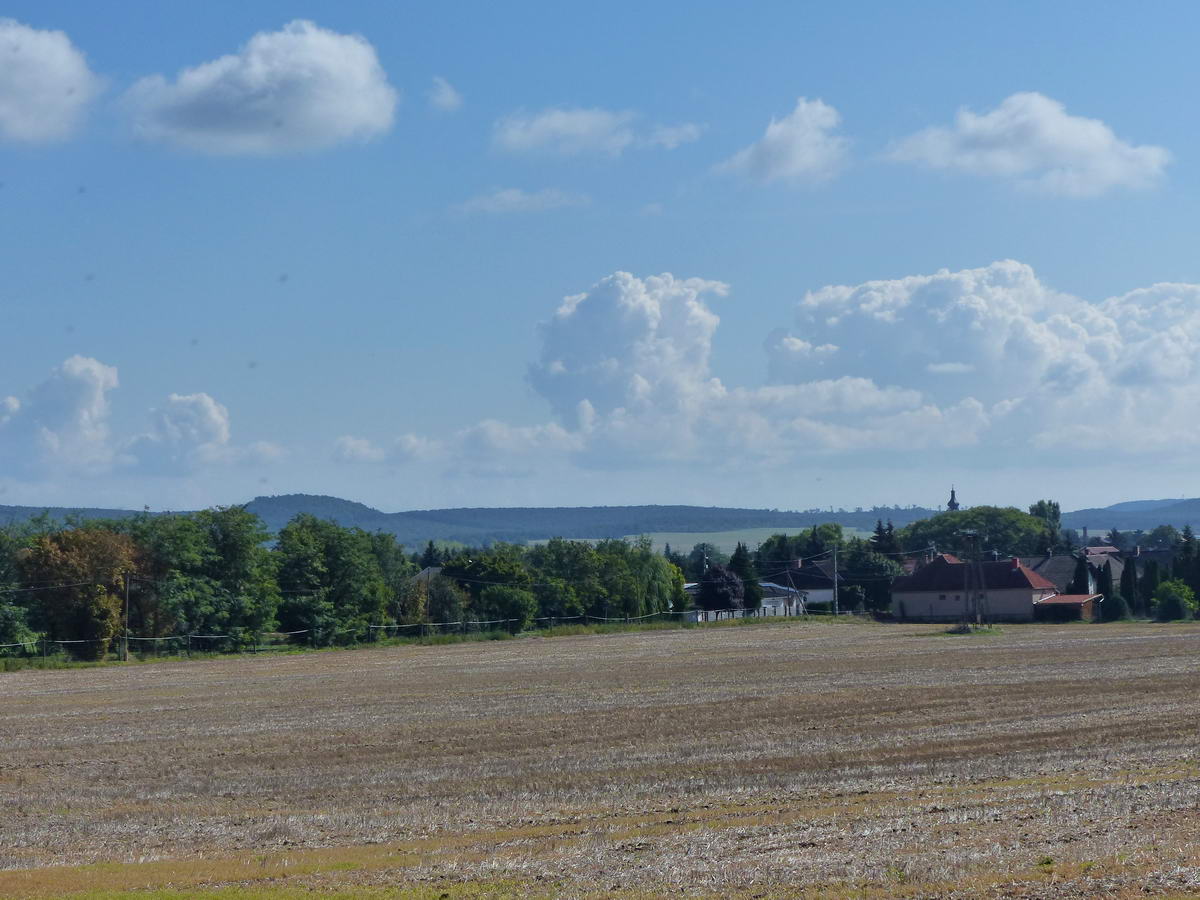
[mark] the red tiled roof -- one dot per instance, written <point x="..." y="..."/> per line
<point x="1070" y="599"/>
<point x="948" y="573"/>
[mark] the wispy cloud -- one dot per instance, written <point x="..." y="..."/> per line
<point x="515" y="200"/>
<point x="443" y="96"/>
<point x="572" y="131"/>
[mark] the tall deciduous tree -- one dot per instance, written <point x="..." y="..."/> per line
<point x="332" y="583"/>
<point x="85" y="571"/>
<point x="1004" y="528"/>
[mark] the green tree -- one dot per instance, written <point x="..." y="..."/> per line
<point x="674" y="558"/>
<point x="1164" y="537"/>
<point x="1081" y="582"/>
<point x="871" y="571"/>
<point x="720" y="589"/>
<point x="884" y="540"/>
<point x="823" y="538"/>
<point x="331" y="580"/>
<point x="432" y="557"/>
<point x="1007" y="529"/>
<point x="240" y="571"/>
<point x="14" y="626"/>
<point x="1114" y="606"/>
<point x="1173" y="599"/>
<point x="776" y="555"/>
<point x="741" y="564"/>
<point x="702" y="556"/>
<point x="1050" y="513"/>
<point x="1151" y="578"/>
<point x="517" y="606"/>
<point x="446" y="601"/>
<point x="1129" y="587"/>
<point x="473" y="570"/>
<point x="567" y="574"/>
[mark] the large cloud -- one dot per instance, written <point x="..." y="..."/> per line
<point x="987" y="358"/>
<point x="1048" y="368"/>
<point x="799" y="148"/>
<point x="625" y="369"/>
<point x="574" y="131"/>
<point x="45" y="84"/>
<point x="1031" y="138"/>
<point x="629" y="344"/>
<point x="300" y="88"/>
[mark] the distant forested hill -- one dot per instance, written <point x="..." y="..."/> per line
<point x="1138" y="514"/>
<point x="519" y="524"/>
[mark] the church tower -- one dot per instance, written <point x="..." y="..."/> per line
<point x="952" y="504"/>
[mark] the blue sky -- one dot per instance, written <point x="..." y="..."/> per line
<point x="306" y="267"/>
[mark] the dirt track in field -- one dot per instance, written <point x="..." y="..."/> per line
<point x="1041" y="761"/>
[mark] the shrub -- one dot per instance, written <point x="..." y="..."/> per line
<point x="1174" y="600"/>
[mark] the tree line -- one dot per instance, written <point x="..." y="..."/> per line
<point x="218" y="574"/>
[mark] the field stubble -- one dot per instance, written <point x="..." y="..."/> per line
<point x="851" y="759"/>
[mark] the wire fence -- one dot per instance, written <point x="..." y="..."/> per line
<point x="266" y="641"/>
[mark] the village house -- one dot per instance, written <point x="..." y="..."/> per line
<point x="1060" y="570"/>
<point x="950" y="590"/>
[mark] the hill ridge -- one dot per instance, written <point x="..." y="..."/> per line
<point x="519" y="524"/>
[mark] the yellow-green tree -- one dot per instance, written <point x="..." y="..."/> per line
<point x="83" y="571"/>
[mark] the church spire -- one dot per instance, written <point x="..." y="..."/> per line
<point x="953" y="503"/>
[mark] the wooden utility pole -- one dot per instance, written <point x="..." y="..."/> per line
<point x="125" y="652"/>
<point x="835" y="581"/>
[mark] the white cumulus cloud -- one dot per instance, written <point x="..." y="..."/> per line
<point x="989" y="358"/>
<point x="628" y="344"/>
<point x="802" y="147"/>
<point x="1032" y="139"/>
<point x="45" y="84"/>
<point x="187" y="431"/>
<point x="443" y="96"/>
<point x="1045" y="367"/>
<point x="515" y="200"/>
<point x="63" y="424"/>
<point x="300" y="88"/>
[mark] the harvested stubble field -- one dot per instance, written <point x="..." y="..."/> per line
<point x="823" y="760"/>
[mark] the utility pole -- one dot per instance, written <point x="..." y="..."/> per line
<point x="125" y="652"/>
<point x="835" y="581"/>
